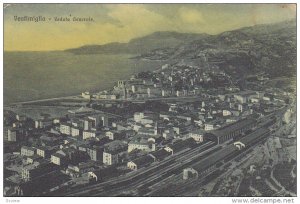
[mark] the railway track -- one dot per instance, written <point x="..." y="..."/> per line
<point x="146" y="177"/>
<point x="172" y="162"/>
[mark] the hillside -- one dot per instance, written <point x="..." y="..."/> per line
<point x="268" y="47"/>
<point x="157" y="40"/>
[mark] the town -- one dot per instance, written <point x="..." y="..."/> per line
<point x="169" y="132"/>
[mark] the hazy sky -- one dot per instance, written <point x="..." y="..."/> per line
<point x="122" y="22"/>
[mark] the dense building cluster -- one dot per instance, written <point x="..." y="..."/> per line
<point x="89" y="143"/>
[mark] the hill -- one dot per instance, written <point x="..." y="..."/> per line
<point x="157" y="40"/>
<point x="270" y="48"/>
<point x="267" y="47"/>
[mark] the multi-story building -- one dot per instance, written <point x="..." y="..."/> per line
<point x="15" y="134"/>
<point x="110" y="157"/>
<point x="226" y="113"/>
<point x="34" y="158"/>
<point x="197" y="135"/>
<point x="36" y="170"/>
<point x="5" y="133"/>
<point x="79" y="169"/>
<point x="12" y="134"/>
<point x="112" y="151"/>
<point x="209" y="126"/>
<point x="59" y="158"/>
<point x="86" y="134"/>
<point x="114" y="135"/>
<point x="65" y="128"/>
<point x="141" y="143"/>
<point x="244" y="96"/>
<point x="43" y="123"/>
<point x="45" y="151"/>
<point x="145" y="117"/>
<point x="88" y="124"/>
<point x="138" y="116"/>
<point x="21" y="117"/>
<point x="95" y="153"/>
<point x="75" y="131"/>
<point x="27" y="151"/>
<point x="150" y="131"/>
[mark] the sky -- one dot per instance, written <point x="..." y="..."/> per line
<point x="122" y="22"/>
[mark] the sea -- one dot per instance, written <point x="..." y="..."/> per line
<point x="40" y="75"/>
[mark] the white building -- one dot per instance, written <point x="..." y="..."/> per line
<point x="114" y="135"/>
<point x="27" y="151"/>
<point x="197" y="135"/>
<point x="254" y="100"/>
<point x="244" y="96"/>
<point x="138" y="116"/>
<point x="86" y="95"/>
<point x="90" y="133"/>
<point x="12" y="135"/>
<point x="110" y="158"/>
<point x="43" y="123"/>
<point x="165" y="66"/>
<point x="58" y="158"/>
<point x="105" y="96"/>
<point x="226" y="113"/>
<point x="209" y="126"/>
<point x="141" y="146"/>
<point x="75" y="131"/>
<point x="65" y="129"/>
<point x="141" y="142"/>
<point x="21" y="117"/>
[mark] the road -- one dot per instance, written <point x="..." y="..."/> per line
<point x="78" y="98"/>
<point x="45" y="100"/>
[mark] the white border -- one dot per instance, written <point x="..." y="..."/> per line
<point x="104" y="200"/>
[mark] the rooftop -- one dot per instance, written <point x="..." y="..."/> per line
<point x="81" y="110"/>
<point x="144" y="160"/>
<point x="139" y="139"/>
<point x="245" y="93"/>
<point x="233" y="127"/>
<point x="198" y="131"/>
<point x="58" y="155"/>
<point x="28" y="148"/>
<point x="180" y="145"/>
<point x="114" y="145"/>
<point x="34" y="157"/>
<point x="160" y="154"/>
<point x="221" y="154"/>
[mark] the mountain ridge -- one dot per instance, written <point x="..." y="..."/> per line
<point x="169" y="39"/>
<point x="156" y="40"/>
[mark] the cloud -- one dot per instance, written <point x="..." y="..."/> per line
<point x="138" y="19"/>
<point x="123" y="22"/>
<point x="134" y="20"/>
<point x="191" y="16"/>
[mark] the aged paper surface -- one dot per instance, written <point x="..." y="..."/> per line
<point x="149" y="100"/>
